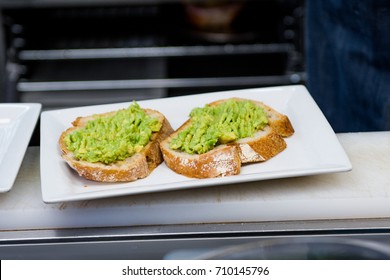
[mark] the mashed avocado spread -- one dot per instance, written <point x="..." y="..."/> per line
<point x="221" y="124"/>
<point x="113" y="138"/>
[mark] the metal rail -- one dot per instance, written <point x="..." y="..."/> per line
<point x="145" y="52"/>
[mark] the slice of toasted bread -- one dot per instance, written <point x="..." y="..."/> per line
<point x="226" y="159"/>
<point x="138" y="166"/>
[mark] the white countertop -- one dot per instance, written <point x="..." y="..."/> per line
<point x="363" y="192"/>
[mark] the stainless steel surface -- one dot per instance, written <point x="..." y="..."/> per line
<point x="176" y="241"/>
<point x="346" y="227"/>
<point x="157" y="83"/>
<point x="168" y="51"/>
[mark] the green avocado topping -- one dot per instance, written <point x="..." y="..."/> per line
<point x="113" y="138"/>
<point x="221" y="124"/>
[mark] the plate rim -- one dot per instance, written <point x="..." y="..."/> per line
<point x="24" y="130"/>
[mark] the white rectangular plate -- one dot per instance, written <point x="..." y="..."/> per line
<point x="313" y="149"/>
<point x="17" y="123"/>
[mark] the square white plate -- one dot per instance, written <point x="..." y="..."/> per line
<point x="17" y="123"/>
<point x="313" y="149"/>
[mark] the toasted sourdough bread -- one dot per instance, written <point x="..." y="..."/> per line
<point x="226" y="159"/>
<point x="138" y="166"/>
